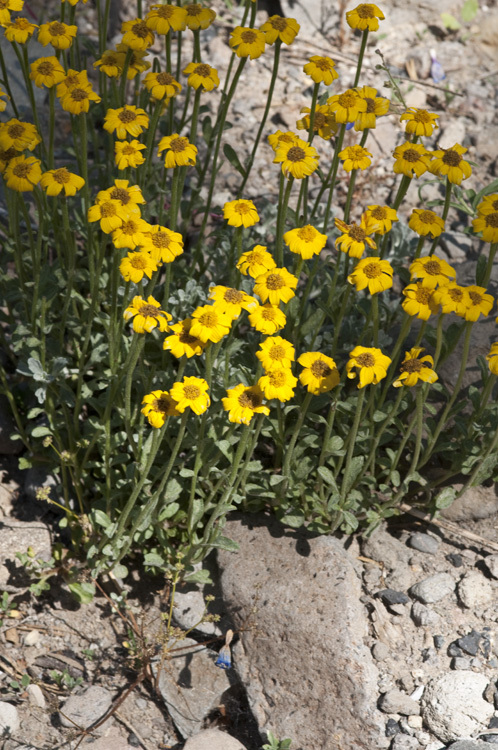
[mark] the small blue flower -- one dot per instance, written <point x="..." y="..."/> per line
<point x="349" y="125"/>
<point x="224" y="660"/>
<point x="437" y="72"/>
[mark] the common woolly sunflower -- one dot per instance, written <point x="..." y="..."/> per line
<point x="477" y="302"/>
<point x="111" y="63"/>
<point x="157" y="406"/>
<point x="57" y="181"/>
<point x="110" y="213"/>
<point x="419" y="121"/>
<point x="210" y="323"/>
<point x="365" y="17"/>
<point x="411" y="159"/>
<point x="256" y="262"/>
<point x="181" y="343"/>
<point x="161" y="85"/>
<point x="298" y="159"/>
<point x="136" y="34"/>
<point x="267" y="319"/>
<point x="281" y="137"/>
<point x="492" y="358"/>
<point x="432" y="270"/>
<point x="373" y="274"/>
<point x="20" y="30"/>
<point x="381" y="217"/>
<point x="278" y="383"/>
<point x="59" y="35"/>
<point x="247" y="42"/>
<point x="451" y="297"/>
<point x="179" y="151"/>
<point x="371" y="364"/>
<point x="320" y="373"/>
<point x="276" y="352"/>
<point x="354" y="237"/>
<point x="23" y="173"/>
<point x="305" y="241"/>
<point x="324" y="123"/>
<point x="355" y="157"/>
<point x="18" y="135"/>
<point x="191" y="393"/>
<point x="202" y="75"/>
<point x="376" y="107"/>
<point x="127" y="120"/>
<point x="128" y="154"/>
<point x="240" y="213"/>
<point x="413" y="369"/>
<point x="77" y="99"/>
<point x="277" y="27"/>
<point x="419" y="301"/>
<point x="198" y="17"/>
<point x="424" y="222"/>
<point x="276" y="285"/>
<point x="448" y="162"/>
<point x="46" y="71"/>
<point x="243" y="402"/>
<point x="321" y="69"/>
<point x="162" y="243"/>
<point x="347" y="106"/>
<point x="487" y="224"/>
<point x="131" y="233"/>
<point x="137" y="265"/>
<point x="231" y="301"/>
<point x="147" y="315"/>
<point x="162" y="18"/>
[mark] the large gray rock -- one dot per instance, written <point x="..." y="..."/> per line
<point x="384" y="548"/>
<point x="307" y="671"/>
<point x="18" y="536"/>
<point x="454" y="706"/>
<point x="213" y="739"/>
<point x="475" y="504"/>
<point x="475" y="591"/>
<point x="85" y="708"/>
<point x="434" y="588"/>
<point x="9" y="719"/>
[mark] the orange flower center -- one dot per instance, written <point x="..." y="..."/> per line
<point x="165" y="79"/>
<point x="248" y="36"/>
<point x="233" y="296"/>
<point x="307" y="234"/>
<point x="274" y="282"/>
<point x="178" y="145"/>
<point x="475" y="298"/>
<point x="203" y="70"/>
<point x="193" y="10"/>
<point x="347" y="100"/>
<point x="164" y="11"/>
<point x="128" y="149"/>
<point x="242" y="208"/>
<point x="492" y="220"/>
<point x="452" y="158"/>
<point x="427" y="217"/>
<point x="365" y="11"/>
<point x="162" y="404"/>
<point x="61" y="176"/>
<point x="249" y="400"/>
<point x="192" y="392"/>
<point x="120" y="194"/>
<point x="412" y="365"/>
<point x="324" y="64"/>
<point x="56" y="28"/>
<point x="268" y="313"/>
<point x="455" y="294"/>
<point x="320" y="369"/>
<point x="433" y="268"/>
<point x="276" y="352"/>
<point x="22" y="170"/>
<point x="372" y="270"/>
<point x="149" y="311"/>
<point x="365" y="360"/>
<point x="421" y="115"/>
<point x="423" y="295"/>
<point x="379" y="213"/>
<point x="357" y="233"/>
<point x="139" y="261"/>
<point x="411" y="155"/>
<point x="46" y="68"/>
<point x="127" y="115"/>
<point x="295" y="154"/>
<point x="129" y="227"/>
<point x="78" y="95"/>
<point x="161" y="240"/>
<point x="22" y="23"/>
<point x="279" y="23"/>
<point x="277" y="378"/>
<point x="209" y="319"/>
<point x="140" y="29"/>
<point x="16" y="130"/>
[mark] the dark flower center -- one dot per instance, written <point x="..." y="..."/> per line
<point x="365" y="11"/>
<point x="162" y="404"/>
<point x="433" y="268"/>
<point x="192" y="392"/>
<point x="279" y="23"/>
<point x="61" y="176"/>
<point x="372" y="270"/>
<point x="161" y="240"/>
<point x="249" y="400"/>
<point x="149" y="311"/>
<point x="57" y="29"/>
<point x="178" y="145"/>
<point x="249" y="37"/>
<point x="296" y="153"/>
<point x="411" y="155"/>
<point x="412" y="365"/>
<point x="492" y="220"/>
<point x="165" y="79"/>
<point x="452" y="158"/>
<point x="274" y="281"/>
<point x="357" y="233"/>
<point x="16" y="130"/>
<point x="320" y="369"/>
<point x="140" y="29"/>
<point x="233" y="296"/>
<point x="427" y="217"/>
<point x="120" y="194"/>
<point x="127" y="115"/>
<point x="365" y="360"/>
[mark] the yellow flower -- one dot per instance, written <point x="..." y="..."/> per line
<point x="419" y="301"/>
<point x="305" y="241"/>
<point x="365" y="17"/>
<point x="191" y="393"/>
<point x="354" y="237"/>
<point x="111" y="63"/>
<point x="19" y="135"/>
<point x="243" y="402"/>
<point x="47" y="71"/>
<point x="59" y="35"/>
<point x="275" y="353"/>
<point x="131" y="233"/>
<point x="137" y="63"/>
<point x="381" y="217"/>
<point x="247" y="42"/>
<point x="276" y="286"/>
<point x="136" y="34"/>
<point x="77" y="99"/>
<point x="298" y="159"/>
<point x="127" y="154"/>
<point x="324" y="123"/>
<point x="355" y="157"/>
<point x="256" y="262"/>
<point x="161" y="85"/>
<point x="240" y="213"/>
<point x="201" y="74"/>
<point x="163" y="244"/>
<point x="267" y="319"/>
<point x="376" y="107"/>
<point x="210" y="323"/>
<point x="411" y="159"/>
<point x="476" y="302"/>
<point x="492" y="358"/>
<point x="73" y="78"/>
<point x="56" y="181"/>
<point x="6" y="6"/>
<point x="488" y="205"/>
<point x="6" y="156"/>
<point x="75" y="2"/>
<point x="110" y="213"/>
<point x="157" y="406"/>
<point x="448" y="162"/>
<point x="347" y="106"/>
<point x="372" y="273"/>
<point x="199" y="17"/>
<point x="413" y="369"/>
<point x="130" y="196"/>
<point x="372" y="365"/>
<point x="278" y="383"/>
<point x="137" y="265"/>
<point x="23" y="173"/>
<point x="320" y="372"/>
<point x="423" y="221"/>
<point x="321" y="69"/>
<point x="20" y="30"/>
<point x="451" y="297"/>
<point x="147" y="315"/>
<point x="231" y="301"/>
<point x="285" y="29"/>
<point x="419" y="121"/>
<point x="275" y="139"/>
<point x="182" y="343"/>
<point x="179" y="151"/>
<point x="432" y="270"/>
<point x="488" y="225"/>
<point x="127" y="120"/>
<point x="3" y="104"/>
<point x="162" y="18"/>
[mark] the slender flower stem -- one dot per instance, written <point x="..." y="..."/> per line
<point x="331" y="178"/>
<point x="487" y="274"/>
<point x="289" y="451"/>
<point x="151" y="133"/>
<point x="419" y="421"/>
<point x="352" y="443"/>
<point x="360" y="57"/>
<point x="446" y="208"/>
<point x="402" y="190"/>
<point x="281" y="219"/>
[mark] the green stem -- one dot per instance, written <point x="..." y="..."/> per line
<point x="446" y="208"/>
<point x="352" y="444"/>
<point x="360" y="57"/>
<point x="330" y="180"/>
<point x="281" y="219"/>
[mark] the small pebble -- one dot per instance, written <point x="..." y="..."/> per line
<point x="389" y="596"/>
<point x="492" y="739"/>
<point x="424" y="616"/>
<point x="491" y="562"/>
<point x="35" y="696"/>
<point x="397" y="702"/>
<point x="429" y="655"/>
<point x="438" y="641"/>
<point x="470" y="643"/>
<point x="418" y="693"/>
<point x="475" y="591"/>
<point x="424" y="543"/>
<point x="455" y="559"/>
<point x="380" y="651"/>
<point x="392" y="728"/>
<point x="405" y="742"/>
<point x="397" y="609"/>
<point x="493" y="724"/>
<point x="434" y="588"/>
<point x="454" y="649"/>
<point x="32" y="638"/>
<point x="460" y="662"/>
<point x="415" y="722"/>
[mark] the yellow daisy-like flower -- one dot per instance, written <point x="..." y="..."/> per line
<point x="162" y="18"/>
<point x="365" y="17"/>
<point x="347" y="106"/>
<point x="451" y="297"/>
<point x="179" y="151"/>
<point x="137" y="265"/>
<point x="128" y="154"/>
<point x="131" y="233"/>
<point x="243" y="402"/>
<point x="488" y="205"/>
<point x="56" y="181"/>
<point x="324" y="123"/>
<point x="130" y="196"/>
<point x="6" y="156"/>
<point x="355" y="157"/>
<point x="354" y="237"/>
<point x="247" y="42"/>
<point x="372" y="273"/>
<point x="136" y="34"/>
<point x="20" y="30"/>
<point x="163" y="244"/>
<point x="210" y="324"/>
<point x="73" y="78"/>
<point x="281" y="137"/>
<point x="161" y="85"/>
<point x="419" y="301"/>
<point x="240" y="213"/>
<point x="182" y="343"/>
<point x="276" y="285"/>
<point x="111" y="63"/>
<point x="371" y="364"/>
<point x="381" y="218"/>
<point x="276" y="352"/>
<point x="267" y="319"/>
<point x="6" y="6"/>
<point x="432" y="270"/>
<point x="411" y="159"/>
<point x="321" y="69"/>
<point x="488" y="225"/>
<point x="492" y="358"/>
<point x="137" y="63"/>
<point x="127" y="120"/>
<point x="23" y="173"/>
<point x="110" y="213"/>
<point x="75" y="2"/>
<point x="19" y="135"/>
<point x="305" y="241"/>
<point x="298" y="159"/>
<point x="419" y="121"/>
<point x="476" y="302"/>
<point x="59" y="35"/>
<point x="278" y="383"/>
<point x="201" y="74"/>
<point x="147" y="315"/>
<point x="285" y="29"/>
<point x="320" y="372"/>
<point x="77" y="99"/>
<point x="4" y="98"/>
<point x="231" y="301"/>
<point x="191" y="393"/>
<point x="448" y="162"/>
<point x="47" y="71"/>
<point x="198" y="17"/>
<point x="157" y="406"/>
<point x="413" y="369"/>
<point x="376" y="107"/>
<point x="423" y="222"/>
<point x="256" y="262"/>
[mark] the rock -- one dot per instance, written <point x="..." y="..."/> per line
<point x="491" y="739"/>
<point x="384" y="548"/>
<point x="470" y="642"/>
<point x="35" y="696"/>
<point x="212" y="739"/>
<point x="461" y="662"/>
<point x="190" y="604"/>
<point x="9" y="719"/>
<point x="434" y="588"/>
<point x="32" y="638"/>
<point x="454" y="132"/>
<point x="424" y="543"/>
<point x="36" y="478"/>
<point x="438" y="641"/>
<point x="8" y="447"/>
<point x="455" y="559"/>
<point x="397" y="702"/>
<point x="453" y="705"/>
<point x="19" y="536"/>
<point x="85" y="708"/>
<point x="424" y="616"/>
<point x="190" y="685"/>
<point x="469" y="745"/>
<point x="405" y="742"/>
<point x="389" y="596"/>
<point x="491" y="562"/>
<point x="392" y="728"/>
<point x="415" y="721"/>
<point x="315" y="17"/>
<point x="380" y="651"/>
<point x="293" y="665"/>
<point x="475" y="591"/>
<point x="476" y="503"/>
